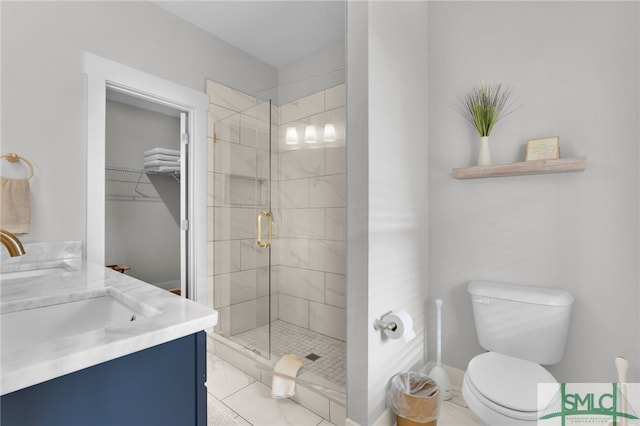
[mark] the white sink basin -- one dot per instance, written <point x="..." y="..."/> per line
<point x="47" y="323"/>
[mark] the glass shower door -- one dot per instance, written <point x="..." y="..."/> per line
<point x="258" y="129"/>
<point x="240" y="206"/>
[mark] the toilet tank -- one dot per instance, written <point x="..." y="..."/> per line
<point x="522" y="321"/>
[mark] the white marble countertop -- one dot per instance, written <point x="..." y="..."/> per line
<point x="167" y="316"/>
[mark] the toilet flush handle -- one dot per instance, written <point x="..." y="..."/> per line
<point x="482" y="300"/>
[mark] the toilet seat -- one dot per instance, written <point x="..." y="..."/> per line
<point x="505" y="385"/>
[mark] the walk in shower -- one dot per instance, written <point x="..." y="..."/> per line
<point x="277" y="234"/>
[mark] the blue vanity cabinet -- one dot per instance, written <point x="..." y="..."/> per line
<point x="161" y="385"/>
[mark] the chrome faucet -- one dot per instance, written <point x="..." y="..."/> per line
<point x="12" y="243"/>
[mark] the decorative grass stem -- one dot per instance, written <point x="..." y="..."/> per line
<point x="484" y="106"/>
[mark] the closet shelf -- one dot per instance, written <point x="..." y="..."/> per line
<point x="561" y="165"/>
<point x="123" y="183"/>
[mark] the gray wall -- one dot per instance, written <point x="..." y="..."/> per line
<point x="139" y="232"/>
<point x="387" y="194"/>
<point x="574" y="67"/>
<point x="43" y="87"/>
<point x="574" y="70"/>
<point x="318" y="71"/>
<point x="559" y="57"/>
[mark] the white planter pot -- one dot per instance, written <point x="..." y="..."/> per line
<point x="484" y="158"/>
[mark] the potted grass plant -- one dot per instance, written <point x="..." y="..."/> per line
<point x="483" y="107"/>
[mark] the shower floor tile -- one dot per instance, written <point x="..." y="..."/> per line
<point x="287" y="338"/>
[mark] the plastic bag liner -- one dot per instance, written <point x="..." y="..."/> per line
<point x="415" y="399"/>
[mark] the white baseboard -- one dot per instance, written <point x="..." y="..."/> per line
<point x="387" y="418"/>
<point x="456" y="375"/>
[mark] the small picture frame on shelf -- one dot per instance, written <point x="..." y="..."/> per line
<point x="543" y="149"/>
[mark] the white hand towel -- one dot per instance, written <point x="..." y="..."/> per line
<point x="15" y="208"/>
<point x="282" y="387"/>
<point x="161" y="163"/>
<point x="283" y="384"/>
<point x="165" y="157"/>
<point x="165" y="151"/>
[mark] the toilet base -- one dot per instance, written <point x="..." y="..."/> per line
<point x="487" y="416"/>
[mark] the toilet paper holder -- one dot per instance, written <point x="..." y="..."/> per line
<point x="395" y="325"/>
<point x="379" y="324"/>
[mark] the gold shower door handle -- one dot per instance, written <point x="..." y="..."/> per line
<point x="269" y="216"/>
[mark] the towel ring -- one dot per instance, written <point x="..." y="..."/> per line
<point x="14" y="158"/>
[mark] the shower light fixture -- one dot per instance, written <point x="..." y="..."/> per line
<point x="329" y="133"/>
<point x="310" y="134"/>
<point x="292" y="136"/>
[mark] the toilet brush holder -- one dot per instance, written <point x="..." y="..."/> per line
<point x="438" y="373"/>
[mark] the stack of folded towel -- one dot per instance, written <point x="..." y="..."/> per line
<point x="162" y="160"/>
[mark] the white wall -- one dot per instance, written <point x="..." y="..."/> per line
<point x="318" y="71"/>
<point x="387" y="194"/>
<point x="577" y="78"/>
<point x="574" y="68"/>
<point x="357" y="342"/>
<point x="43" y="87"/>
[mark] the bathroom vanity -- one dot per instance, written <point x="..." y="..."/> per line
<point x="83" y="344"/>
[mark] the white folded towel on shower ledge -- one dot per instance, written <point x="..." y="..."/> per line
<point x="283" y="384"/>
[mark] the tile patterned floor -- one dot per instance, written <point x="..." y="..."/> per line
<point x="287" y="338"/>
<point x="455" y="413"/>
<point x="237" y="399"/>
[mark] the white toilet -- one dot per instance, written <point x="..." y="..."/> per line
<point x="521" y="327"/>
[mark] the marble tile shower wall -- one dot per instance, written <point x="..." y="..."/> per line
<point x="308" y="187"/>
<point x="238" y="187"/>
<point x="311" y="215"/>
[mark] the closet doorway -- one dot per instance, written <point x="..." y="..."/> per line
<point x="112" y="83"/>
<point x="143" y="193"/>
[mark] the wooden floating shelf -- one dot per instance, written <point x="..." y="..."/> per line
<point x="561" y="165"/>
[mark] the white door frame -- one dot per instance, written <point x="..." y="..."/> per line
<point x="102" y="74"/>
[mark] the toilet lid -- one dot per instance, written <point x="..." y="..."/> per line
<point x="507" y="381"/>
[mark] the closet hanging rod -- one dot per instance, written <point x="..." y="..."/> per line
<point x="14" y="158"/>
<point x="175" y="174"/>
